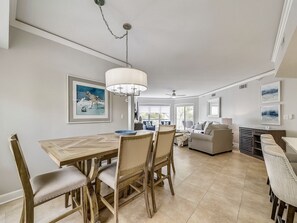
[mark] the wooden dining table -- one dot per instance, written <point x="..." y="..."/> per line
<point x="85" y="152"/>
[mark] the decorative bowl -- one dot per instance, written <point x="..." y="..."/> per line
<point x="125" y="132"/>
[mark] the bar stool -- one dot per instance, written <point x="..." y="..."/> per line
<point x="283" y="179"/>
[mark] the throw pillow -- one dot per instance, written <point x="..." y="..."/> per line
<point x="198" y="126"/>
<point x="208" y="128"/>
<point x="206" y="125"/>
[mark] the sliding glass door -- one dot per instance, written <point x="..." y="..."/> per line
<point x="184" y="116"/>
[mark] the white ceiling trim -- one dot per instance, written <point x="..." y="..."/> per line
<point x="281" y="29"/>
<point x="53" y="37"/>
<point x="4" y="24"/>
<point x="257" y="77"/>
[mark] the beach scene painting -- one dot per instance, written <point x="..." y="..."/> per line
<point x="270" y="92"/>
<point x="270" y="114"/>
<point x="88" y="101"/>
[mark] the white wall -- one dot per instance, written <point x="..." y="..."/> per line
<point x="243" y="106"/>
<point x="33" y="100"/>
<point x="172" y="103"/>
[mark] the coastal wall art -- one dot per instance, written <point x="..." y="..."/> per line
<point x="88" y="101"/>
<point x="271" y="92"/>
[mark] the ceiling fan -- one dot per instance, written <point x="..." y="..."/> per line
<point x="174" y="95"/>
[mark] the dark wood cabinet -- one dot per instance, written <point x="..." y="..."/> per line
<point x="250" y="140"/>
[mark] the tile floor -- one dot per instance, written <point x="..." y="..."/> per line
<point x="225" y="188"/>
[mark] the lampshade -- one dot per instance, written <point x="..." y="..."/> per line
<point x="227" y="121"/>
<point x="125" y="81"/>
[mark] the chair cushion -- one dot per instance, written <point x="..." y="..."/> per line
<point x="53" y="184"/>
<point x="107" y="174"/>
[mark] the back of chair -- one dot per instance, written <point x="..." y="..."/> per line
<point x="267" y="139"/>
<point x="133" y="153"/>
<point x="166" y="127"/>
<point x="282" y="177"/>
<point x="163" y="144"/>
<point x="21" y="165"/>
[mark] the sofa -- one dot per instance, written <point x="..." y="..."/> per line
<point x="148" y="125"/>
<point x="213" y="139"/>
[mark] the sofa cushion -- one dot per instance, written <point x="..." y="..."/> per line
<point x="212" y="127"/>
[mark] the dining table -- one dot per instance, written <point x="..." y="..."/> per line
<point x="86" y="153"/>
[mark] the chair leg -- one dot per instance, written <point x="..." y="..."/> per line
<point x="23" y="212"/>
<point x="268" y="182"/>
<point x="172" y="161"/>
<point x="169" y="179"/>
<point x="280" y="211"/>
<point x="270" y="194"/>
<point x="67" y="200"/>
<point x="290" y="214"/>
<point x="145" y="188"/>
<point x="116" y="205"/>
<point x="153" y="190"/>
<point x="84" y="204"/>
<point x="29" y="211"/>
<point x="274" y="206"/>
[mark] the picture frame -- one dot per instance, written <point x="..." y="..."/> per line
<point x="271" y="114"/>
<point x="214" y="108"/>
<point x="88" y="101"/>
<point x="271" y="92"/>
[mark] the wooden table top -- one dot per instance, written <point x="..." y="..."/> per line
<point x="291" y="141"/>
<point x="71" y="150"/>
<point x="67" y="151"/>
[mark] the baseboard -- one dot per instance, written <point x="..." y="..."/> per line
<point x="4" y="198"/>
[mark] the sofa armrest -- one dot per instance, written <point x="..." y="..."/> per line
<point x="198" y="136"/>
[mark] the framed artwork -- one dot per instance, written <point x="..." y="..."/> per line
<point x="270" y="114"/>
<point x="271" y="92"/>
<point x="88" y="101"/>
<point x="214" y="108"/>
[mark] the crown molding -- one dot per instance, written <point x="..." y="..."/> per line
<point x="281" y="29"/>
<point x="66" y="42"/>
<point x="256" y="77"/>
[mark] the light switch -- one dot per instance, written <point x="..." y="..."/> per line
<point x="291" y="116"/>
<point x="122" y="116"/>
<point x="286" y="117"/>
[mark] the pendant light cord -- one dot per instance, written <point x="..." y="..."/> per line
<point x="108" y="27"/>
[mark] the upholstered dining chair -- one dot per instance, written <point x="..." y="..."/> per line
<point x="161" y="157"/>
<point x="132" y="166"/>
<point x="167" y="128"/>
<point x="283" y="179"/>
<point x="45" y="187"/>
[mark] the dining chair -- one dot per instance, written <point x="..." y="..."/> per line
<point x="45" y="187"/>
<point x="161" y="157"/>
<point x="167" y="128"/>
<point x="131" y="166"/>
<point x="283" y="180"/>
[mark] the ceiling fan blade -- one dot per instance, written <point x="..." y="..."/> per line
<point x="169" y="94"/>
<point x="180" y="95"/>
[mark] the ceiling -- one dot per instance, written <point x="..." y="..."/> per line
<point x="193" y="46"/>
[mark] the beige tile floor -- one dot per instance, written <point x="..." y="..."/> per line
<point x="225" y="188"/>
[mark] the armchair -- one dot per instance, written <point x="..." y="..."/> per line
<point x="148" y="125"/>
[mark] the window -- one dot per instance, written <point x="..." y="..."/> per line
<point x="184" y="116"/>
<point x="154" y="113"/>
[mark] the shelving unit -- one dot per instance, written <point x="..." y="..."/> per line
<point x="250" y="140"/>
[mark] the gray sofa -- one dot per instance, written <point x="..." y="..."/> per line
<point x="215" y="139"/>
